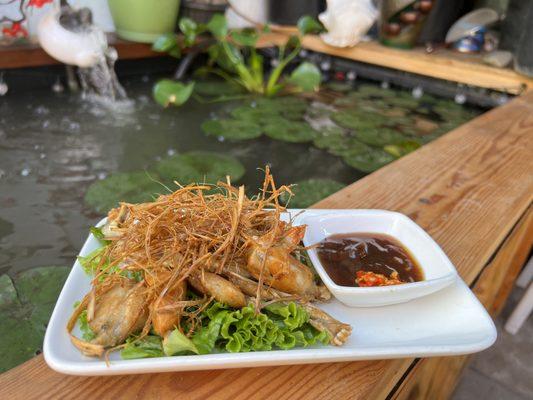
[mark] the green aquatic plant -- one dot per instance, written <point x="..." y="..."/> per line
<point x="132" y="187"/>
<point x="354" y="119"/>
<point x="232" y="56"/>
<point x="379" y="136"/>
<point x="138" y="187"/>
<point x="290" y="131"/>
<point x="199" y="167"/>
<point x="370" y="160"/>
<point x="311" y="191"/>
<point x="26" y="304"/>
<point x="232" y="129"/>
<point x="281" y="118"/>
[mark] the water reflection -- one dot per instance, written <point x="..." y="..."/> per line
<point x="53" y="145"/>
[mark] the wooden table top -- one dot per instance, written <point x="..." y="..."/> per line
<point x="468" y="189"/>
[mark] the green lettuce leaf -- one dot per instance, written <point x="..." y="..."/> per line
<point x="90" y="262"/>
<point x="293" y="315"/>
<point x="177" y="343"/>
<point x="205" y="339"/>
<point x="149" y="346"/>
<point x="98" y="234"/>
<point x="86" y="332"/>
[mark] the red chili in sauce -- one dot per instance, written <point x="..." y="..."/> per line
<point x="368" y="259"/>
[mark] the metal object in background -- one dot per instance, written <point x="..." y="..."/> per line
<point x="471" y="24"/>
<point x="201" y="11"/>
<point x="472" y="43"/>
<point x="480" y="97"/>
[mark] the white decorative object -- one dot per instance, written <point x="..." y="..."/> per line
<point x="84" y="48"/>
<point x="347" y="21"/>
<point x="11" y="10"/>
<point x="255" y="11"/>
<point x="101" y="14"/>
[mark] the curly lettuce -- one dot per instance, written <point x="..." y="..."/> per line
<point x="148" y="346"/>
<point x="279" y="326"/>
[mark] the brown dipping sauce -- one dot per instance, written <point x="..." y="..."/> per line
<point x="344" y="255"/>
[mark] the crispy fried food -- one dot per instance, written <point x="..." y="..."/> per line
<point x="278" y="268"/>
<point x="117" y="313"/>
<point x="321" y="320"/>
<point x="221" y="289"/>
<point x="211" y="239"/>
<point x="165" y="318"/>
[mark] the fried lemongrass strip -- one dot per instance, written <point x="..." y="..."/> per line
<point x="87" y="348"/>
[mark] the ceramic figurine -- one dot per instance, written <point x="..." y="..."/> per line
<point x="70" y="37"/>
<point x="347" y="21"/>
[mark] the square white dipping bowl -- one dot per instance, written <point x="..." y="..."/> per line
<point x="438" y="270"/>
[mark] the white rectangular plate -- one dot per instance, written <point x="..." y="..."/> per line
<point x="449" y="322"/>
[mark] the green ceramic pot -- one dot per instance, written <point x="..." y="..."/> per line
<point x="144" y="20"/>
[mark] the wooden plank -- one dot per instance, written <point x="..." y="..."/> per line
<point x="442" y="64"/>
<point x="436" y="378"/>
<point x="468" y="189"/>
<point x="32" y="55"/>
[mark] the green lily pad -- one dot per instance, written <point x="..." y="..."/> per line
<point x="135" y="187"/>
<point x="355" y="120"/>
<point x="40" y="287"/>
<point x="290" y="131"/>
<point x="283" y="104"/>
<point x="370" y="160"/>
<point x="379" y="136"/>
<point x="8" y="294"/>
<point x="405" y="100"/>
<point x="330" y="137"/>
<point x="200" y="166"/>
<point x="352" y="147"/>
<point x="254" y="114"/>
<point x="311" y="191"/>
<point x="232" y="129"/>
<point x="20" y="341"/>
<point x="25" y="316"/>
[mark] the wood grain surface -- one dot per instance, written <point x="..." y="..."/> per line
<point x="442" y="64"/>
<point x="32" y="55"/>
<point x="468" y="189"/>
<point x="436" y="378"/>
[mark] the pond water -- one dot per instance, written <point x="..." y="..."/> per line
<point x="55" y="147"/>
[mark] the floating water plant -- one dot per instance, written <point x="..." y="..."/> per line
<point x="233" y="57"/>
<point x="232" y="129"/>
<point x="131" y="187"/>
<point x="311" y="191"/>
<point x="26" y="304"/>
<point x="199" y="166"/>
<point x="370" y="160"/>
<point x="290" y="131"/>
<point x="142" y="186"/>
